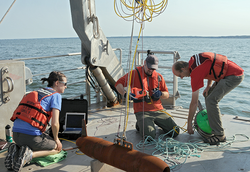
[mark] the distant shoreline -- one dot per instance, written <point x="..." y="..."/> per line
<point x="240" y="36"/>
<point x="223" y="37"/>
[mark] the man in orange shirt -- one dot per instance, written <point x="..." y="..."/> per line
<point x="213" y="67"/>
<point x="148" y="107"/>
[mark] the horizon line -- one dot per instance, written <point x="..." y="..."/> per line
<point x="234" y="36"/>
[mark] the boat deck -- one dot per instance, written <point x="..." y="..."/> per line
<point x="104" y="123"/>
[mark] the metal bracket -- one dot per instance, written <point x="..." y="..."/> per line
<point x="105" y="47"/>
<point x="6" y="81"/>
<point x="95" y="22"/>
<point x="123" y="143"/>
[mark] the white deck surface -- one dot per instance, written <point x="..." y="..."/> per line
<point x="104" y="123"/>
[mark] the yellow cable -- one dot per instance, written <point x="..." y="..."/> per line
<point x="146" y="8"/>
<point x="67" y="140"/>
<point x="130" y="78"/>
<point x="74" y="143"/>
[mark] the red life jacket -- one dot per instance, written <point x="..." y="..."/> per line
<point x="218" y="68"/>
<point x="31" y="111"/>
<point x="144" y="92"/>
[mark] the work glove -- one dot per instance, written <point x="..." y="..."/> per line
<point x="157" y="94"/>
<point x="131" y="96"/>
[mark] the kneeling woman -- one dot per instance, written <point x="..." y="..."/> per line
<point x="30" y="120"/>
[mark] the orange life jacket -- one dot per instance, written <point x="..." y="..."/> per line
<point x="31" y="111"/>
<point x="218" y="68"/>
<point x="143" y="93"/>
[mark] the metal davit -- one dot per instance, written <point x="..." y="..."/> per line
<point x="96" y="49"/>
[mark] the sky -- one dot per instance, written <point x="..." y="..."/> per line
<point x="52" y="19"/>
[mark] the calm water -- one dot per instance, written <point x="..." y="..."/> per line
<point x="237" y="50"/>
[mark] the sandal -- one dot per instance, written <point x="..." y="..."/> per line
<point x="215" y="140"/>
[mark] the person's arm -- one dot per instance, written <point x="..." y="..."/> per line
<point x="55" y="125"/>
<point x="209" y="84"/>
<point x="163" y="88"/>
<point x="120" y="89"/>
<point x="192" y="109"/>
<point x="165" y="95"/>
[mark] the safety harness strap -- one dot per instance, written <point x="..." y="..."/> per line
<point x="212" y="67"/>
<point x="222" y="67"/>
<point x="139" y="78"/>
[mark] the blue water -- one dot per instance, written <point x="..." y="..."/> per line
<point x="236" y="49"/>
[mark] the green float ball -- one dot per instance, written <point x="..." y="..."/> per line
<point x="202" y="121"/>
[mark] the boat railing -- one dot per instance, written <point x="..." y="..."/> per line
<point x="88" y="92"/>
<point x="44" y="57"/>
<point x="176" y="56"/>
<point x="98" y="94"/>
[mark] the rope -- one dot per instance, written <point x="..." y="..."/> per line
<point x="148" y="9"/>
<point x="172" y="150"/>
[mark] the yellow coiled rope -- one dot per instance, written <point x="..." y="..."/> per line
<point x="142" y="10"/>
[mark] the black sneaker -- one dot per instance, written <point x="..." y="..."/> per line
<point x="216" y="139"/>
<point x="24" y="156"/>
<point x="12" y="152"/>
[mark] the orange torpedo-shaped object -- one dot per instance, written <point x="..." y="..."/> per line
<point x="118" y="156"/>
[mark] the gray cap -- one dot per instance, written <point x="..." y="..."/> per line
<point x="152" y="61"/>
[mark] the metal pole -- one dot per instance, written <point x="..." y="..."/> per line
<point x="7" y="11"/>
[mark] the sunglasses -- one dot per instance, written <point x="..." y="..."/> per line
<point x="65" y="83"/>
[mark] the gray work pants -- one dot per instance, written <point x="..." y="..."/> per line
<point x="215" y="94"/>
<point x="147" y="121"/>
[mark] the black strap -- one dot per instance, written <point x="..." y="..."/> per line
<point x="139" y="78"/>
<point x="139" y="100"/>
<point x="222" y="67"/>
<point x="39" y="110"/>
<point x="212" y="67"/>
<point x="39" y="122"/>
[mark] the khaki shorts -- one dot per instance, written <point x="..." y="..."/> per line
<point x="35" y="143"/>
